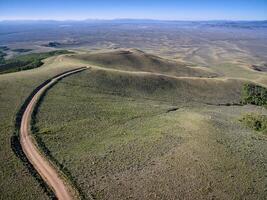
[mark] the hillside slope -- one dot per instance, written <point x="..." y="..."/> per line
<point x="128" y="135"/>
<point x="137" y="126"/>
<point x="165" y="88"/>
<point x="136" y="60"/>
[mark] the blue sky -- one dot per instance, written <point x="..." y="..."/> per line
<point x="137" y="9"/>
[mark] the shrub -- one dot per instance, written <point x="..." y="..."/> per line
<point x="254" y="94"/>
<point x="255" y="121"/>
<point x="25" y="62"/>
<point x="2" y="55"/>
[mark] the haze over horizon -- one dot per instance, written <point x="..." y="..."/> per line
<point x="117" y="9"/>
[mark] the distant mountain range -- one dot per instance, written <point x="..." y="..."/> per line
<point x="210" y="23"/>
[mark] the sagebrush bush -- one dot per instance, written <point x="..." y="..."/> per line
<point x="255" y="121"/>
<point x="25" y="62"/>
<point x="254" y="94"/>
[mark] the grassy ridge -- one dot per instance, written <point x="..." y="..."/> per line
<point x="124" y="134"/>
<point x="26" y="62"/>
<point x="126" y="137"/>
<point x="136" y="60"/>
<point x="164" y="88"/>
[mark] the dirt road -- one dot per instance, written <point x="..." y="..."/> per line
<point x="40" y="163"/>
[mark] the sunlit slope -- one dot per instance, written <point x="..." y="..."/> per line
<point x="165" y="88"/>
<point x="151" y="79"/>
<point x="125" y="135"/>
<point x="136" y="60"/>
<point x="133" y="72"/>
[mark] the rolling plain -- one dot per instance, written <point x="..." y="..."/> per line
<point x="151" y="118"/>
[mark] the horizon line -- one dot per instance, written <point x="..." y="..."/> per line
<point x="141" y="19"/>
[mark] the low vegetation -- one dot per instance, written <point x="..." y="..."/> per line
<point x="16" y="180"/>
<point x="259" y="68"/>
<point x="53" y="44"/>
<point x="255" y="121"/>
<point x="2" y="57"/>
<point x="4" y="48"/>
<point x="15" y="174"/>
<point x="129" y="136"/>
<point x="254" y="94"/>
<point x="26" y="62"/>
<point x="136" y="60"/>
<point x="120" y="133"/>
<point x="21" y="50"/>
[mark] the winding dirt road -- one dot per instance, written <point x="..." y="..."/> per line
<point x="41" y="164"/>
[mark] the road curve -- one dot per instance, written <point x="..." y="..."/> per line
<point x="42" y="165"/>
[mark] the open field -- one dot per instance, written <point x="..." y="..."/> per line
<point x="159" y="114"/>
<point x="131" y="145"/>
<point x="129" y="129"/>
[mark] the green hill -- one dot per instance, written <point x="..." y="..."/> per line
<point x="136" y="60"/>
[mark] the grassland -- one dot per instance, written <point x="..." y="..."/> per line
<point x="137" y="126"/>
<point x="15" y="179"/>
<point x="146" y="134"/>
<point x="136" y="60"/>
<point x="120" y="144"/>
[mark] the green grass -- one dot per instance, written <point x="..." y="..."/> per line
<point x="119" y="134"/>
<point x="114" y="134"/>
<point x="164" y="88"/>
<point x="26" y="62"/>
<point x="15" y="179"/>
